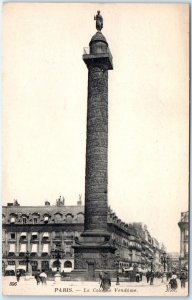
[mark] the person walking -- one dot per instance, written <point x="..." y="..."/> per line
<point x="173" y="282"/>
<point x="148" y="276"/>
<point x="152" y="278"/>
<point x="18" y="275"/>
<point x="117" y="281"/>
<point x="43" y="277"/>
<point x="183" y="278"/>
<point x="37" y="278"/>
<point x="137" y="277"/>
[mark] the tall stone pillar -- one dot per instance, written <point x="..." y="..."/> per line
<point x="94" y="251"/>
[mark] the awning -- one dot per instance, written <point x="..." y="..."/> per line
<point x="23" y="248"/>
<point x="45" y="248"/>
<point x="23" y="234"/>
<point x="34" y="248"/>
<point x="46" y="219"/>
<point x="129" y="269"/>
<point x="12" y="220"/>
<point x="140" y="270"/>
<point x="46" y="234"/>
<point x="10" y="268"/>
<point x="34" y="233"/>
<point x="21" y="267"/>
<point x="12" y="248"/>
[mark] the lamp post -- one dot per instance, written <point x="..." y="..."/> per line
<point x="117" y="271"/>
<point x="152" y="274"/>
<point x="151" y="259"/>
<point x="164" y="260"/>
<point x="58" y="255"/>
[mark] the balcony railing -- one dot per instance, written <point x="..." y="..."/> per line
<point x="86" y="50"/>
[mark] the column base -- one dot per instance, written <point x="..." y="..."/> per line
<point x="92" y="255"/>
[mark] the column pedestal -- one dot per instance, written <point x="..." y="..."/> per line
<point x="93" y="254"/>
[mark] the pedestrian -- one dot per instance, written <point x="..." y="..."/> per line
<point x="105" y="282"/>
<point x="37" y="278"/>
<point x="117" y="281"/>
<point x="148" y="276"/>
<point x="43" y="277"/>
<point x="137" y="277"/>
<point x="173" y="283"/>
<point x="151" y="278"/>
<point x="183" y="278"/>
<point x="141" y="276"/>
<point x="18" y="275"/>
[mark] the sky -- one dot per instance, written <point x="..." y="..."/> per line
<point x="45" y="102"/>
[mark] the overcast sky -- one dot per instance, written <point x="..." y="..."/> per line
<point x="45" y="101"/>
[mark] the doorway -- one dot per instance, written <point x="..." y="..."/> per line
<point x="91" y="271"/>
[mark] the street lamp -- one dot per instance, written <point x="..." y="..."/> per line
<point x="151" y="259"/>
<point x="117" y="271"/>
<point x="164" y="260"/>
<point x="27" y="261"/>
<point x="58" y="255"/>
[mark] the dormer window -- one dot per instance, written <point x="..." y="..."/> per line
<point x="35" y="220"/>
<point x="12" y="220"/>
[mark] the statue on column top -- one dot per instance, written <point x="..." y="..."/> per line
<point x="99" y="21"/>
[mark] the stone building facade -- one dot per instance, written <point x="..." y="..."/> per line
<point x="184" y="240"/>
<point x="36" y="231"/>
<point x="173" y="264"/>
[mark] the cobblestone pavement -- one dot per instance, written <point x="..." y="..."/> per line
<point x="87" y="288"/>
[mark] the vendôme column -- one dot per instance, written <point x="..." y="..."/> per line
<point x="94" y="251"/>
<point x="98" y="61"/>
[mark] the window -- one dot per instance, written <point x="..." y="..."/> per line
<point x="34" y="248"/>
<point x="57" y="235"/>
<point x="24" y="220"/>
<point x="67" y="264"/>
<point x="35" y="221"/>
<point x="45" y="265"/>
<point x="12" y="220"/>
<point x="12" y="248"/>
<point x="69" y="218"/>
<point x="12" y="235"/>
<point x="34" y="235"/>
<point x="45" y="235"/>
<point x="46" y="219"/>
<point x="11" y="262"/>
<point x="80" y="218"/>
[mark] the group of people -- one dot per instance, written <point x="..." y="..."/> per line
<point x="41" y="277"/>
<point x="172" y="284"/>
<point x="150" y="277"/>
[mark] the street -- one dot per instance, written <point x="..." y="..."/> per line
<point x="87" y="288"/>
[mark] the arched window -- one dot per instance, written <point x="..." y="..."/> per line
<point x="67" y="264"/>
<point x="69" y="218"/>
<point x="58" y="217"/>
